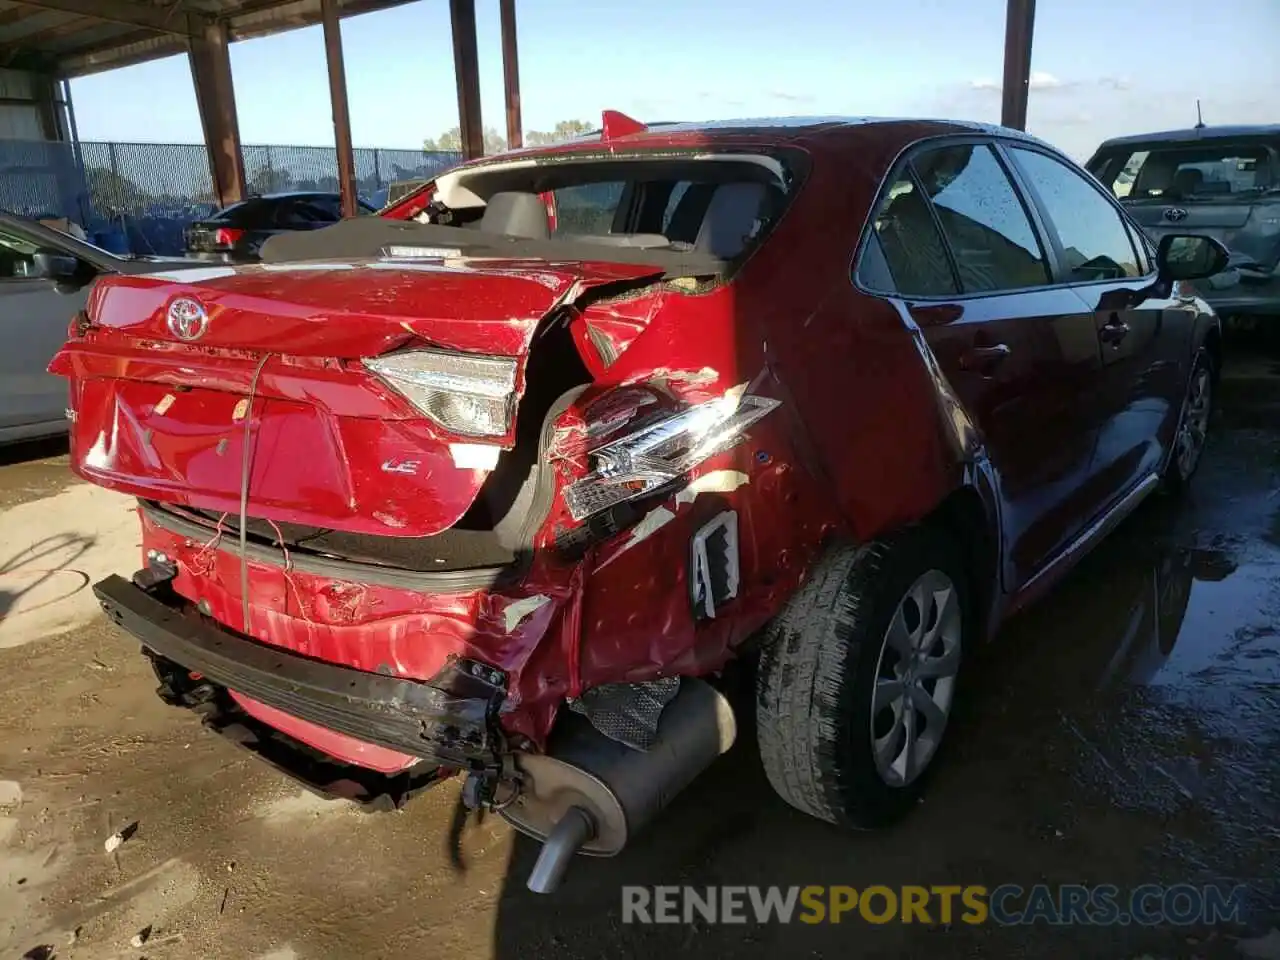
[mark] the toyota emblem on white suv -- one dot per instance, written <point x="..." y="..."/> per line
<point x="187" y="319"/>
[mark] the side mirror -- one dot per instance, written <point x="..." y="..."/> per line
<point x="1190" y="257"/>
<point x="54" y="265"/>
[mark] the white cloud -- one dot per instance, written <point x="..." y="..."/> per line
<point x="1039" y="80"/>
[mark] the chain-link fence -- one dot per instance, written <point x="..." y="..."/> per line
<point x="138" y="197"/>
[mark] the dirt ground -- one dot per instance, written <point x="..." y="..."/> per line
<point x="1124" y="731"/>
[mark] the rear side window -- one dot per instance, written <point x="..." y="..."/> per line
<point x="985" y="225"/>
<point x="588" y="208"/>
<point x="908" y="242"/>
<point x="1095" y="240"/>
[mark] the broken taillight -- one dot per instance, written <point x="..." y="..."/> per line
<point x="662" y="450"/>
<point x="467" y="394"/>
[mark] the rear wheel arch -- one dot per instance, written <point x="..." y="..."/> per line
<point x="969" y="519"/>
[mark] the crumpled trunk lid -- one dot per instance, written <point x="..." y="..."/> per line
<point x="275" y="367"/>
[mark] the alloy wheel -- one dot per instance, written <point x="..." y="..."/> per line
<point x="1195" y="422"/>
<point x="915" y="678"/>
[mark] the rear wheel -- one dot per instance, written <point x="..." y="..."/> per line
<point x="858" y="677"/>
<point x="1193" y="425"/>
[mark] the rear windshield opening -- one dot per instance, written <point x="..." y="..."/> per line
<point x="718" y="207"/>
<point x="689" y="215"/>
<point x="1179" y="171"/>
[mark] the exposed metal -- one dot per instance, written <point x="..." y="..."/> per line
<point x="615" y="788"/>
<point x="628" y="712"/>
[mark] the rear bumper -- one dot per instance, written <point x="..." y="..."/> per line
<point x="450" y="720"/>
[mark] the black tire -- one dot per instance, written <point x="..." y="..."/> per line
<point x="817" y="674"/>
<point x="1179" y="470"/>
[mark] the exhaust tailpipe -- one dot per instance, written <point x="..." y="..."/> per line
<point x="588" y="794"/>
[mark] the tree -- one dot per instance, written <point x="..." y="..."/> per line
<point x="451" y="142"/>
<point x="270" y="180"/>
<point x="110" y="193"/>
<point x="564" y="130"/>
<point x="448" y="142"/>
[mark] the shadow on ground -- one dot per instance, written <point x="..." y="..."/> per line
<point x="32" y="450"/>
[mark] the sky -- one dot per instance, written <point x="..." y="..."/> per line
<point x="1100" y="68"/>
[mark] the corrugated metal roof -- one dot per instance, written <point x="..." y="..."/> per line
<point x="75" y="37"/>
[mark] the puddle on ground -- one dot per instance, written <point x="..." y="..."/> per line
<point x="1201" y="619"/>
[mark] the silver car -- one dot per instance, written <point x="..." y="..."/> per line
<point x="1223" y="182"/>
<point x="45" y="278"/>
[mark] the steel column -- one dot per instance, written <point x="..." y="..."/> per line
<point x="216" y="98"/>
<point x="466" y="67"/>
<point x="511" y="73"/>
<point x="341" y="110"/>
<point x="1018" y="31"/>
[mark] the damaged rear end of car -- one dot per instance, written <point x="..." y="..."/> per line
<point x="451" y="504"/>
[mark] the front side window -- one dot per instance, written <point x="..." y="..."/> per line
<point x="1095" y="240"/>
<point x="990" y="235"/>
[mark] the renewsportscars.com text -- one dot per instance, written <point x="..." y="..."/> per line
<point x="1007" y="905"/>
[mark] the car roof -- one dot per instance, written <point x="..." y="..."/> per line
<point x="1198" y="134"/>
<point x="764" y="131"/>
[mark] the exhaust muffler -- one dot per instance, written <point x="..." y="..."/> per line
<point x="589" y="794"/>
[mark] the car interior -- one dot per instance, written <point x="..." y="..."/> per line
<point x="694" y="216"/>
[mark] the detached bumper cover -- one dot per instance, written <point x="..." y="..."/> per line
<point x="450" y="719"/>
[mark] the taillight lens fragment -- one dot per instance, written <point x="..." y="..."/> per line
<point x="467" y="394"/>
<point x="661" y="451"/>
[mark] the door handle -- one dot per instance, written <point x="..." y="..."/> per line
<point x="1113" y="331"/>
<point x="985" y="357"/>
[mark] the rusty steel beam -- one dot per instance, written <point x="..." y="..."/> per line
<point x="129" y="13"/>
<point x="466" y="68"/>
<point x="216" y="98"/>
<point x="511" y="73"/>
<point x="341" y="110"/>
<point x="1018" y="31"/>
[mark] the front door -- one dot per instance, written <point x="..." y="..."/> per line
<point x="1144" y="339"/>
<point x="1020" y="353"/>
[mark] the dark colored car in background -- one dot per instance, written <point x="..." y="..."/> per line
<point x="235" y="233"/>
<point x="497" y="482"/>
<point x="1222" y="182"/>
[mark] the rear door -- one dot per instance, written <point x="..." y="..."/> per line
<point x="965" y="253"/>
<point x="1144" y="339"/>
<point x="33" y="323"/>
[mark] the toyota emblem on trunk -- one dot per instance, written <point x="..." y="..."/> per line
<point x="187" y="319"/>
<point x="1174" y="214"/>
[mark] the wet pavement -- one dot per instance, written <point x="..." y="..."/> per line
<point x="1123" y="731"/>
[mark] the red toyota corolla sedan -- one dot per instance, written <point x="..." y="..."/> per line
<point x="497" y="483"/>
